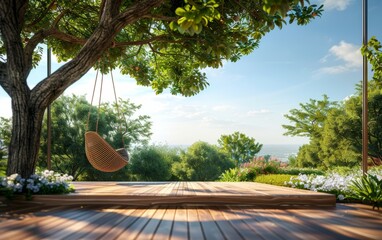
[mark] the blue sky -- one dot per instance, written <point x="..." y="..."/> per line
<point x="252" y="95"/>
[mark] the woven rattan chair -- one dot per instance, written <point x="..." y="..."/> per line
<point x="101" y="155"/>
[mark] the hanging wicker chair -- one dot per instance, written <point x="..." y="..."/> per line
<point x="99" y="153"/>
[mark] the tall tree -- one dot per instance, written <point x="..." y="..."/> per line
<point x="353" y="108"/>
<point x="239" y="147"/>
<point x="161" y="43"/>
<point x="340" y="135"/>
<point x="309" y="121"/>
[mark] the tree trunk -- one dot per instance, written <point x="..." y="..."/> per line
<point x="26" y="131"/>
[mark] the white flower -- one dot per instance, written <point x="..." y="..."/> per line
<point x="13" y="176"/>
<point x="10" y="184"/>
<point x="341" y="197"/>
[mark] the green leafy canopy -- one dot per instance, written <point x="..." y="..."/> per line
<point x="169" y="46"/>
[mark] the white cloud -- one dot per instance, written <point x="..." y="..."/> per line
<point x="188" y="111"/>
<point x="338" y="5"/>
<point x="334" y="70"/>
<point x="347" y="54"/>
<point x="222" y="108"/>
<point x="258" y="112"/>
<point x="213" y="121"/>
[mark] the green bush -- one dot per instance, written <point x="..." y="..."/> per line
<point x="368" y="189"/>
<point x="202" y="162"/>
<point x="230" y="175"/>
<point x="247" y="174"/>
<point x="151" y="163"/>
<point x="292" y="161"/>
<point x="274" y="179"/>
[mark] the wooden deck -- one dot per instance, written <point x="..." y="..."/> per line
<point x="186" y="210"/>
<point x="189" y="194"/>
<point x="33" y="221"/>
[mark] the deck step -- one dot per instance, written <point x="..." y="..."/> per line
<point x="189" y="194"/>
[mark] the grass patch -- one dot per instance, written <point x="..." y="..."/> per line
<point x="274" y="179"/>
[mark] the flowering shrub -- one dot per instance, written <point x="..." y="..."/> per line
<point x="46" y="182"/>
<point x="339" y="184"/>
<point x="262" y="165"/>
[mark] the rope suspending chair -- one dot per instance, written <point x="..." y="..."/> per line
<point x="99" y="153"/>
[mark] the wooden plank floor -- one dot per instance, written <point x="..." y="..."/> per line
<point x="190" y="194"/>
<point x="33" y="221"/>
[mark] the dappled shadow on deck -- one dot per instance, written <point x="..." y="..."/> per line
<point x="18" y="221"/>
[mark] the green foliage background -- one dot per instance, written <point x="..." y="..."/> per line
<point x="334" y="128"/>
<point x="202" y="162"/>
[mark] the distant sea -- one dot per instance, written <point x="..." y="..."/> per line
<point x="279" y="151"/>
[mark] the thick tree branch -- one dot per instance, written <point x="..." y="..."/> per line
<point x="110" y="8"/>
<point x="50" y="88"/>
<point x="66" y="37"/>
